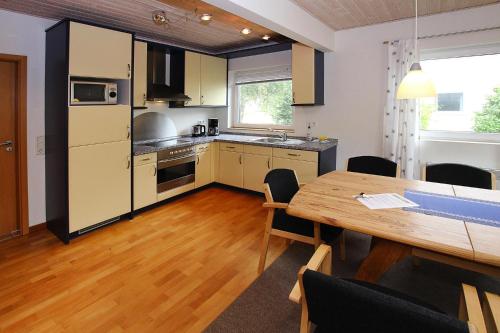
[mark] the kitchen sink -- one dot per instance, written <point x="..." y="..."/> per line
<point x="280" y="141"/>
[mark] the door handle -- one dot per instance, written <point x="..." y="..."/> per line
<point x="6" y="143"/>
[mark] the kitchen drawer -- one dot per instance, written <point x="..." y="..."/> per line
<point x="306" y="171"/>
<point x="294" y="154"/>
<point x="231" y="147"/>
<point x="92" y="124"/>
<point x="203" y="147"/>
<point x="145" y="159"/>
<point x="258" y="150"/>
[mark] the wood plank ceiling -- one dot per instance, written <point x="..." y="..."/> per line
<point x="345" y="14"/>
<point x="185" y="27"/>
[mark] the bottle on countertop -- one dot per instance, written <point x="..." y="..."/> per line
<point x="309" y="136"/>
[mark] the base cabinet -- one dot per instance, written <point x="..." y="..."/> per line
<point x="99" y="183"/>
<point x="255" y="170"/>
<point x="306" y="171"/>
<point x="231" y="168"/>
<point x="203" y="169"/>
<point x="144" y="185"/>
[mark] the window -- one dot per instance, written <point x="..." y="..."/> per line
<point x="263" y="98"/>
<point x="468" y="97"/>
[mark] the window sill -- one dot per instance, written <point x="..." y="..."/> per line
<point x="260" y="129"/>
<point x="460" y="137"/>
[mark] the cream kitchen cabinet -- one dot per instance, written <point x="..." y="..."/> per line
<point x="213" y="81"/>
<point x="140" y="73"/>
<point x="99" y="183"/>
<point x="203" y="165"/>
<point x="307" y="75"/>
<point x="145" y="171"/>
<point x="91" y="124"/>
<point x="231" y="168"/>
<point x="257" y="162"/>
<point x="305" y="163"/>
<point x="99" y="52"/>
<point x="192" y="77"/>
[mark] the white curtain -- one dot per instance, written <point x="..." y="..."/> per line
<point x="400" y="141"/>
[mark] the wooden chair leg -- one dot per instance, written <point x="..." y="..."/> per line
<point x="317" y="235"/>
<point x="342" y="245"/>
<point x="288" y="242"/>
<point x="265" y="242"/>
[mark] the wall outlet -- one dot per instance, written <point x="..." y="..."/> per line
<point x="40" y="145"/>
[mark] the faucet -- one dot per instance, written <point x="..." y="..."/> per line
<point x="282" y="133"/>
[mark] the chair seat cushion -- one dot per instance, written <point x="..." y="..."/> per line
<point x="283" y="221"/>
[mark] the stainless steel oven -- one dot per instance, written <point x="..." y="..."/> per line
<point x="176" y="167"/>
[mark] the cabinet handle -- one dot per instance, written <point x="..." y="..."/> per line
<point x="269" y="163"/>
<point x="293" y="97"/>
<point x="295" y="155"/>
<point x="128" y="132"/>
<point x="128" y="72"/>
<point x="201" y="100"/>
<point x="156" y="170"/>
<point x="197" y="159"/>
<point x="230" y="147"/>
<point x="240" y="159"/>
<point x="128" y="162"/>
<point x="144" y="99"/>
<point x="146" y="159"/>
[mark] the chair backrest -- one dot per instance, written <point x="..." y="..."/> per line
<point x="337" y="305"/>
<point x="283" y="184"/>
<point x="458" y="174"/>
<point x="373" y="165"/>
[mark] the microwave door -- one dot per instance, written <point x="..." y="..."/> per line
<point x="89" y="93"/>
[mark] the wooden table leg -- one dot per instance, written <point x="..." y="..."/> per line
<point x="383" y="255"/>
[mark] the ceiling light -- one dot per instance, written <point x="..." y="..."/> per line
<point x="206" y="17"/>
<point x="246" y="31"/>
<point x="160" y="18"/>
<point x="266" y="37"/>
<point x="416" y="83"/>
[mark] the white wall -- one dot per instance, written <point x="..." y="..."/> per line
<point x="355" y="77"/>
<point x="25" y="35"/>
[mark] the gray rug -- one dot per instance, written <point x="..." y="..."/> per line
<point x="264" y="306"/>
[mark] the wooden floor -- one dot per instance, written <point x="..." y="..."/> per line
<point x="171" y="269"/>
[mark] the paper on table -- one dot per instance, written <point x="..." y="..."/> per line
<point x="385" y="200"/>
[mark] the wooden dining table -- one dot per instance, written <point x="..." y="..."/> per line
<point x="398" y="233"/>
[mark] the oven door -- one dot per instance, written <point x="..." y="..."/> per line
<point x="83" y="92"/>
<point x="175" y="172"/>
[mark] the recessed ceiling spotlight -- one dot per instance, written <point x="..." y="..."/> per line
<point x="160" y="18"/>
<point x="206" y="17"/>
<point x="266" y="37"/>
<point x="246" y="31"/>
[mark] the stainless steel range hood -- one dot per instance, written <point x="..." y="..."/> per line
<point x="159" y="71"/>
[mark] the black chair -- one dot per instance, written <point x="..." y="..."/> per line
<point x="345" y="305"/>
<point x="459" y="174"/>
<point x="373" y="165"/>
<point x="280" y="185"/>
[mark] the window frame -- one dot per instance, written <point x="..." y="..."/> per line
<point x="235" y="113"/>
<point x="459" y="52"/>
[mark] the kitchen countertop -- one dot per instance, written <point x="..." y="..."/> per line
<point x="143" y="148"/>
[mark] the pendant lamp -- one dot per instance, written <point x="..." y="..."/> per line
<point x="416" y="83"/>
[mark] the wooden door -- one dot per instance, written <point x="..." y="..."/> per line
<point x="99" y="52"/>
<point x="140" y="73"/>
<point x="145" y="185"/>
<point x="99" y="183"/>
<point x="213" y="80"/>
<point x="302" y="74"/>
<point x="203" y="173"/>
<point x="8" y="169"/>
<point x="231" y="168"/>
<point x="255" y="169"/>
<point x="192" y="78"/>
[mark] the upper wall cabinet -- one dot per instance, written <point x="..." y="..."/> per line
<point x="213" y="80"/>
<point x="205" y="79"/>
<point x="307" y="75"/>
<point x="140" y="73"/>
<point x="98" y="52"/>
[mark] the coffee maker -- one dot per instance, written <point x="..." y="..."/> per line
<point x="213" y="126"/>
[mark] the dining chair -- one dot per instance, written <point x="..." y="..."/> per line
<point x="280" y="185"/>
<point x="346" y="305"/>
<point x="373" y="165"/>
<point x="459" y="174"/>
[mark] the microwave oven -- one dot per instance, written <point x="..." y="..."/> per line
<point x="91" y="92"/>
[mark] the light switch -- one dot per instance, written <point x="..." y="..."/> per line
<point x="40" y="145"/>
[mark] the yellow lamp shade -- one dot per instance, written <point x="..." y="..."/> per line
<point x="416" y="84"/>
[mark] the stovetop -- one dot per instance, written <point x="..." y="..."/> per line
<point x="166" y="143"/>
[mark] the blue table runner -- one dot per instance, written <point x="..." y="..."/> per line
<point x="465" y="209"/>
